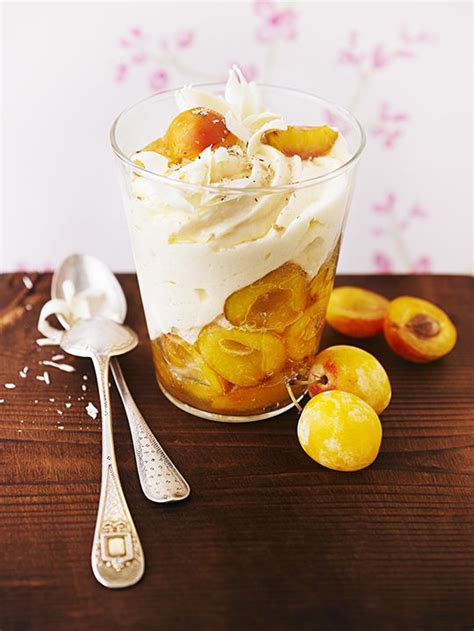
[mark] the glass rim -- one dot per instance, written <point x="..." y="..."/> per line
<point x="249" y="190"/>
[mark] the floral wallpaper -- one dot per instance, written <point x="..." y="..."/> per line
<point x="397" y="210"/>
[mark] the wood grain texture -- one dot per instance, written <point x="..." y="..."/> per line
<point x="269" y="539"/>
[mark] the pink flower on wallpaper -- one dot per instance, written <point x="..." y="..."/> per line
<point x="277" y="23"/>
<point x="422" y="37"/>
<point x="382" y="263"/>
<point x="350" y="55"/>
<point x="386" y="206"/>
<point x="422" y="265"/>
<point x="380" y="55"/>
<point x="158" y="79"/>
<point x="159" y="56"/>
<point x="389" y="125"/>
<point x="377" y="231"/>
<point x="333" y="120"/>
<point x="139" y="58"/>
<point x="394" y="229"/>
<point x="121" y="71"/>
<point x="184" y="39"/>
<point x="137" y="32"/>
<point x="418" y="211"/>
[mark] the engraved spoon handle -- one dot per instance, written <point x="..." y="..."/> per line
<point x="117" y="555"/>
<point x="160" y="479"/>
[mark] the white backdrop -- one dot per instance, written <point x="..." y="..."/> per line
<point x="405" y="68"/>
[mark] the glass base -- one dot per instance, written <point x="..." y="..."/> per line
<point x="226" y="418"/>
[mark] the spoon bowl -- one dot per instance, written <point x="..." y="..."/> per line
<point x="89" y="338"/>
<point x="83" y="275"/>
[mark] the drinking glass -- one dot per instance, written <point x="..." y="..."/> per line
<point x="235" y="319"/>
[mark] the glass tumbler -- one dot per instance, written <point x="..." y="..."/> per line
<point x="234" y="316"/>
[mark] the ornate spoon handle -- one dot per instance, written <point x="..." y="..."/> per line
<point x="160" y="479"/>
<point x="117" y="555"/>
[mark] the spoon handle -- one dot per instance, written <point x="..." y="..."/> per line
<point x="117" y="555"/>
<point x="160" y="479"/>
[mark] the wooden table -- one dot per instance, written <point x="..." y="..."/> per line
<point x="268" y="539"/>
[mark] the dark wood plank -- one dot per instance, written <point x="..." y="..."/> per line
<point x="268" y="539"/>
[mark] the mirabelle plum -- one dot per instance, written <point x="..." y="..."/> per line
<point x="244" y="358"/>
<point x="272" y="302"/>
<point x="418" y="330"/>
<point x="180" y="364"/>
<point x="340" y="431"/>
<point x="356" y="312"/>
<point x="302" y="337"/>
<point x="306" y="142"/>
<point x="352" y="370"/>
<point x="192" y="131"/>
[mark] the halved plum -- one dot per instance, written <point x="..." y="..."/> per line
<point x="244" y="358"/>
<point x="257" y="398"/>
<point x="270" y="303"/>
<point x="306" y="142"/>
<point x="186" y="367"/>
<point x="192" y="131"/>
<point x="302" y="337"/>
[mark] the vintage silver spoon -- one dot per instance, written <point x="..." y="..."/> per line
<point x="117" y="555"/>
<point x="159" y="478"/>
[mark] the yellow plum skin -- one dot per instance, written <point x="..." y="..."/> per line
<point x="340" y="431"/>
<point x="352" y="370"/>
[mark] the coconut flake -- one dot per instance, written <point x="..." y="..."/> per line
<point x="27" y="282"/>
<point x="91" y="410"/>
<point x="63" y="367"/>
<point x="44" y="377"/>
<point x="45" y="341"/>
<point x="67" y="405"/>
<point x="10" y="386"/>
<point x="23" y="372"/>
<point x="56" y="358"/>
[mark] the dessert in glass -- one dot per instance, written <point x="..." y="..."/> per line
<point x="235" y="215"/>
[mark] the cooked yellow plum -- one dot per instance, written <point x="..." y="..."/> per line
<point x="192" y="131"/>
<point x="306" y="142"/>
<point x="158" y="146"/>
<point x="257" y="398"/>
<point x="244" y="358"/>
<point x="272" y="302"/>
<point x="302" y="337"/>
<point x="182" y="363"/>
<point x="321" y="285"/>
